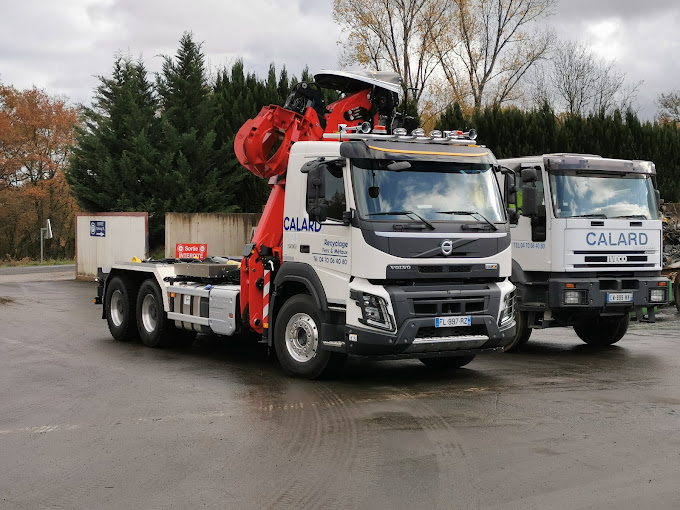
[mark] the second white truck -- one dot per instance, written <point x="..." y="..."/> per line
<point x="587" y="249"/>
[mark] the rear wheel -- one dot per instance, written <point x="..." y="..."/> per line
<point x="151" y="320"/>
<point x="522" y="333"/>
<point x="602" y="331"/>
<point x="298" y="343"/>
<point x="120" y="306"/>
<point x="446" y="363"/>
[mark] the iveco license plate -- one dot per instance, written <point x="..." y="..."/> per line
<point x="619" y="297"/>
<point x="452" y="322"/>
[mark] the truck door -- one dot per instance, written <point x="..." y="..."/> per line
<point x="329" y="239"/>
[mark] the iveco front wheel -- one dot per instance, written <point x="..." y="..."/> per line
<point x="297" y="339"/>
<point x="602" y="331"/>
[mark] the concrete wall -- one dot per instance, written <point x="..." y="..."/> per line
<point x="225" y="234"/>
<point x="126" y="236"/>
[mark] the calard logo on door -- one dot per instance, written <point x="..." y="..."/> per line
<point x="300" y="225"/>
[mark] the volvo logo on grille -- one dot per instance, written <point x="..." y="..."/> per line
<point x="447" y="247"/>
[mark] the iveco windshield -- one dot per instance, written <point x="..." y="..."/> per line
<point x="589" y="195"/>
<point x="431" y="191"/>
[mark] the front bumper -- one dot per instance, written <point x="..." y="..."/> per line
<point x="418" y="337"/>
<point x="600" y="293"/>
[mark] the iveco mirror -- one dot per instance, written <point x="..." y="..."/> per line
<point x="529" y="192"/>
<point x="529" y="175"/>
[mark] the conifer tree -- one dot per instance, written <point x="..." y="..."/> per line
<point x="116" y="158"/>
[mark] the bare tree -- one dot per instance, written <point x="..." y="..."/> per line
<point x="490" y="45"/>
<point x="394" y="35"/>
<point x="669" y="106"/>
<point x="585" y="84"/>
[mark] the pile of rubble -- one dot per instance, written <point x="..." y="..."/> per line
<point x="671" y="242"/>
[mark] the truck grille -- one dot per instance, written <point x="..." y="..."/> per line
<point x="450" y="306"/>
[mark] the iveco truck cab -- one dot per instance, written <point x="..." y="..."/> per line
<point x="587" y="249"/>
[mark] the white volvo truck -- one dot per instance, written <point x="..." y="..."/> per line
<point x="587" y="249"/>
<point x="373" y="242"/>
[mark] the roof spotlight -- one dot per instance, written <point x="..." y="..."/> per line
<point x="400" y="131"/>
<point x="472" y="134"/>
<point x="435" y="134"/>
<point x="418" y="132"/>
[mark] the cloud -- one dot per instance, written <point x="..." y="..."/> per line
<point x="64" y="46"/>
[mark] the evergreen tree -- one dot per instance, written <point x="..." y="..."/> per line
<point x="192" y="173"/>
<point x="116" y="157"/>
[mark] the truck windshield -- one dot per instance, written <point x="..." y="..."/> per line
<point x="576" y="194"/>
<point x="433" y="191"/>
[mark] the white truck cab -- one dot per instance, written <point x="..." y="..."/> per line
<point x="587" y="249"/>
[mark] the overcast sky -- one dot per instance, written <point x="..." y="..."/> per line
<point x="62" y="46"/>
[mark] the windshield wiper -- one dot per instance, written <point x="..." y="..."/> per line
<point x="633" y="216"/>
<point x="473" y="214"/>
<point x="404" y="213"/>
<point x="596" y="215"/>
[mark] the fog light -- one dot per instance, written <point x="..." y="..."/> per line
<point x="574" y="297"/>
<point x="508" y="312"/>
<point x="657" y="295"/>
<point x="374" y="311"/>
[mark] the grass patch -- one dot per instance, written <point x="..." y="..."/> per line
<point x="30" y="262"/>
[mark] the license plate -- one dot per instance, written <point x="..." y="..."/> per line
<point x="619" y="297"/>
<point x="452" y="322"/>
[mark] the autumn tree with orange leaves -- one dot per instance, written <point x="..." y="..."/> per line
<point x="37" y="133"/>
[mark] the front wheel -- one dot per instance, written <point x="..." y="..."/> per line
<point x="522" y="333"/>
<point x="297" y="339"/>
<point x="151" y="321"/>
<point x="446" y="363"/>
<point x="602" y="331"/>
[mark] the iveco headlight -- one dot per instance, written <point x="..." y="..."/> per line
<point x="575" y="297"/>
<point x="657" y="296"/>
<point x="508" y="312"/>
<point x="374" y="311"/>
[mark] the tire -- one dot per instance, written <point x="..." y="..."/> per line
<point x="676" y="293"/>
<point x="120" y="307"/>
<point x="603" y="331"/>
<point x="447" y="363"/>
<point x="297" y="340"/>
<point x="152" y="322"/>
<point x="522" y="333"/>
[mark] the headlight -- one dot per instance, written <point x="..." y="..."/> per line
<point x="508" y="312"/>
<point x="575" y="297"/>
<point x="374" y="311"/>
<point x="657" y="295"/>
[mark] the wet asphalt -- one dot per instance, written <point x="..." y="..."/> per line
<point x="87" y="422"/>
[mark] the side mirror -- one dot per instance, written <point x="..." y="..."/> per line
<point x="529" y="200"/>
<point x="659" y="200"/>
<point x="513" y="216"/>
<point x="529" y="175"/>
<point x="510" y="190"/>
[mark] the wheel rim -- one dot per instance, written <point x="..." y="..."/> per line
<point x="149" y="313"/>
<point x="117" y="311"/>
<point x="302" y="337"/>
